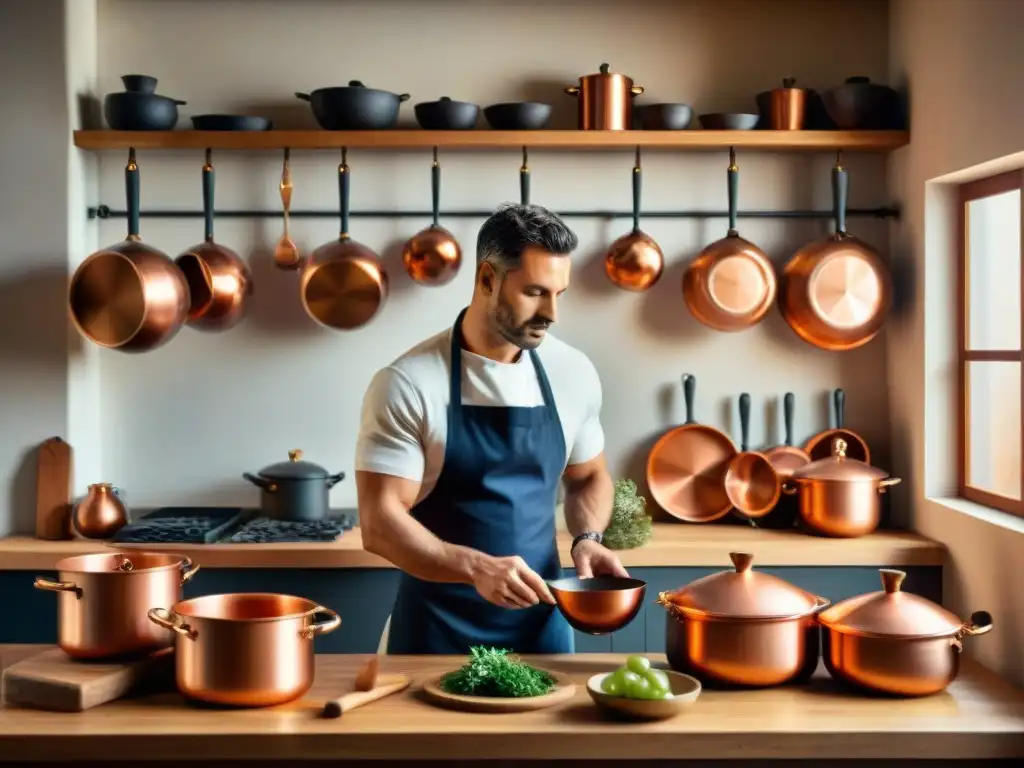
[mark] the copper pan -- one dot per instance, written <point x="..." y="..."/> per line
<point x="432" y="256"/>
<point x="836" y="292"/>
<point x="787" y="457"/>
<point x="635" y="262"/>
<point x="820" y="446"/>
<point x="129" y="297"/>
<point x="343" y="286"/>
<point x="751" y="482"/>
<point x="219" y="281"/>
<point x="731" y="284"/>
<point x="686" y="468"/>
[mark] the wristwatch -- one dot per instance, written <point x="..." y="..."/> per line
<point x="588" y="535"/>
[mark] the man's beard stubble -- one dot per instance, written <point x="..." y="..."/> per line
<point x="523" y="335"/>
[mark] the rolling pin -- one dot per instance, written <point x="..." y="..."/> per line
<point x="385" y="687"/>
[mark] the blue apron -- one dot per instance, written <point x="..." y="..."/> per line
<point x="496" y="494"/>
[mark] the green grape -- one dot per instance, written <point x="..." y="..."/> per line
<point x="638" y="688"/>
<point x="638" y="664"/>
<point x="620" y="676"/>
<point x="658" y="680"/>
<point x="612" y="685"/>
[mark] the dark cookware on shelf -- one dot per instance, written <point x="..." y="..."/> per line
<point x="432" y="256"/>
<point x="354" y="107"/>
<point x="295" y="489"/>
<point x="231" y="123"/>
<point x="446" y="115"/>
<point x="139" y="107"/>
<point x="860" y="105"/>
<point x="728" y="121"/>
<point x="605" y="100"/>
<point x="635" y="262"/>
<point x="663" y="117"/>
<point x="518" y="116"/>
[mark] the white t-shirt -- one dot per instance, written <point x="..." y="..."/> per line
<point x="404" y="423"/>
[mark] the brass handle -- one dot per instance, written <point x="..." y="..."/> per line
<point x="637" y="90"/>
<point x="789" y="490"/>
<point x="888" y="483"/>
<point x="164" y="618"/>
<point x="57" y="586"/>
<point x="322" y="627"/>
<point x="187" y="570"/>
<point x="572" y="90"/>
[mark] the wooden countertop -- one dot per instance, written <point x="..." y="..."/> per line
<point x="672" y="544"/>
<point x="980" y="716"/>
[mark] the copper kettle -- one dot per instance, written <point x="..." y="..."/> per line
<point x="635" y="262"/>
<point x="102" y="512"/>
<point x="433" y="256"/>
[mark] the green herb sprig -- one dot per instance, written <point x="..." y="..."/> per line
<point x="630" y="525"/>
<point x="492" y="672"/>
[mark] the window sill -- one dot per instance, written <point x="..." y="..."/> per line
<point x="996" y="517"/>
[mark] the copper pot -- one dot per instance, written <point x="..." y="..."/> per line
<point x="343" y="285"/>
<point x="219" y="282"/>
<point x="244" y="649"/>
<point x="787" y="106"/>
<point x="742" y="628"/>
<point x="433" y="256"/>
<point x="103" y="598"/>
<point x="605" y="101"/>
<point x="129" y="297"/>
<point x="635" y="262"/>
<point x="839" y="496"/>
<point x="101" y="514"/>
<point x="896" y="642"/>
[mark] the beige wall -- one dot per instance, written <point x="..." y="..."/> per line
<point x="963" y="62"/>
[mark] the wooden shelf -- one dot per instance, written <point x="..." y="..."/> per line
<point x="673" y="545"/>
<point x="776" y="141"/>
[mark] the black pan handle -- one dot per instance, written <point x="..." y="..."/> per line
<point x="435" y="188"/>
<point x="840" y="189"/>
<point x="343" y="193"/>
<point x="788" y="406"/>
<point x="744" y="422"/>
<point x="689" y="390"/>
<point x="637" y="186"/>
<point x="208" y="185"/>
<point x="131" y="191"/>
<point x="839" y="402"/>
<point x="524" y="180"/>
<point x="733" y="175"/>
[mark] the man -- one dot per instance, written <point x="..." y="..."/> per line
<point x="463" y="443"/>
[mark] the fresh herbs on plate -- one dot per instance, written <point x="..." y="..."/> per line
<point x="492" y="672"/>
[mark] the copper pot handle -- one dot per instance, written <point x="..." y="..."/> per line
<point x="57" y="586"/>
<point x="187" y="570"/>
<point x="887" y="483"/>
<point x="572" y="90"/>
<point x="321" y="627"/>
<point x="790" y="490"/>
<point x="637" y="90"/>
<point x="981" y="624"/>
<point x="164" y="618"/>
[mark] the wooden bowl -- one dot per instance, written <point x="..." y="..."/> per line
<point x="685" y="690"/>
<point x="599" y="605"/>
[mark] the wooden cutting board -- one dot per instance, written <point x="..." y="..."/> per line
<point x="52" y="681"/>
<point x="53" y="490"/>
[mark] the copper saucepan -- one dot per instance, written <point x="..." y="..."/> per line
<point x="605" y="100"/>
<point x="837" y="291"/>
<point x="787" y="457"/>
<point x="219" y="281"/>
<point x="433" y="256"/>
<point x="731" y="284"/>
<point x="634" y="261"/>
<point x="343" y="285"/>
<point x="751" y="482"/>
<point x="130" y="296"/>
<point x="820" y="446"/>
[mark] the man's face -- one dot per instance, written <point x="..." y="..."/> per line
<point x="523" y="303"/>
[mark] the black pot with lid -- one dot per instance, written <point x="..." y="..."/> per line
<point x="295" y="489"/>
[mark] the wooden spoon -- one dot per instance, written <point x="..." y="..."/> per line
<point x="286" y="253"/>
<point x="366" y="689"/>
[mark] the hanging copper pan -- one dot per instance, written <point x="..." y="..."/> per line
<point x="751" y="482"/>
<point x="219" y="281"/>
<point x="130" y="296"/>
<point x="836" y="292"/>
<point x="731" y="284"/>
<point x="787" y="457"/>
<point x="686" y="468"/>
<point x="343" y="285"/>
<point x="820" y="446"/>
<point x="433" y="256"/>
<point x="635" y="262"/>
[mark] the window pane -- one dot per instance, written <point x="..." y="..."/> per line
<point x="994" y="427"/>
<point x="993" y="262"/>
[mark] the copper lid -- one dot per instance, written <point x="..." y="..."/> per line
<point x="891" y="613"/>
<point x="743" y="593"/>
<point x="838" y="466"/>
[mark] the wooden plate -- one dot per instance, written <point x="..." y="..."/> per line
<point x="564" y="690"/>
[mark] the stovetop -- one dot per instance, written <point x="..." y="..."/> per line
<point x="229" y="525"/>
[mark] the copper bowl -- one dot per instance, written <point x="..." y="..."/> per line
<point x="599" y="605"/>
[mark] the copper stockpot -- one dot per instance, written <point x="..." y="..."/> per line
<point x="433" y="256"/>
<point x="742" y="628"/>
<point x="244" y="649"/>
<point x="635" y="262"/>
<point x="605" y="101"/>
<point x="129" y="297"/>
<point x="343" y="285"/>
<point x="103" y="599"/>
<point x="839" y="496"/>
<point x="787" y="106"/>
<point x="895" y="642"/>
<point x="219" y="282"/>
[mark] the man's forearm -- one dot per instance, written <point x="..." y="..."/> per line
<point x="588" y="503"/>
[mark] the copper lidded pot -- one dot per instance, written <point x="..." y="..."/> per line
<point x="605" y="101"/>
<point x="244" y="649"/>
<point x="742" y="628"/>
<point x="839" y="496"/>
<point x="102" y="600"/>
<point x="895" y="642"/>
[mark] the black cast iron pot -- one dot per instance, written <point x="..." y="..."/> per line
<point x="446" y="115"/>
<point x="354" y="107"/>
<point x="138" y="108"/>
<point x="294" y="489"/>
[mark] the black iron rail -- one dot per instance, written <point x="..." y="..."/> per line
<point x="105" y="212"/>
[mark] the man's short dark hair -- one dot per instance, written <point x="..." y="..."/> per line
<point x="515" y="227"/>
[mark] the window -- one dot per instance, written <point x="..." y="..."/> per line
<point x="990" y="320"/>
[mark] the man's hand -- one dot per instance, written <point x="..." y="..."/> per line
<point x="593" y="559"/>
<point x="509" y="582"/>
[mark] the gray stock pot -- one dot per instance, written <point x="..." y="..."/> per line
<point x="294" y="489"/>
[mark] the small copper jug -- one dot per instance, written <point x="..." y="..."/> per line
<point x="101" y="513"/>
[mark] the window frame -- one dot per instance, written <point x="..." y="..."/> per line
<point x="968" y="193"/>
